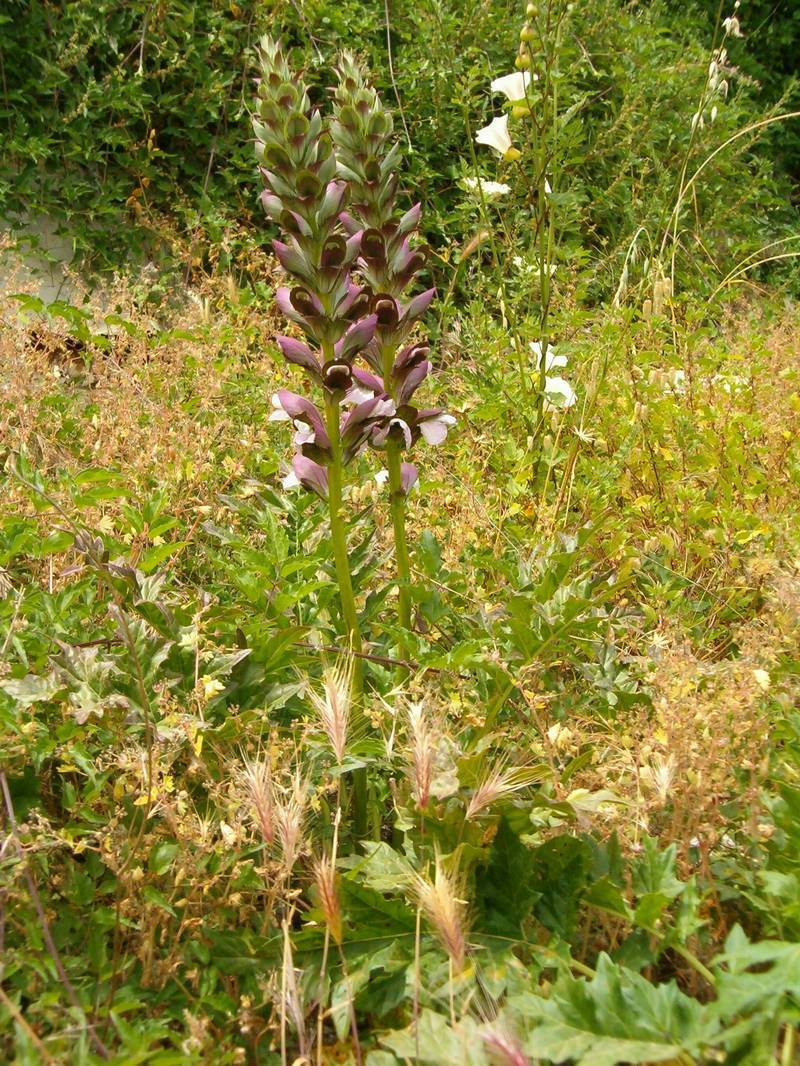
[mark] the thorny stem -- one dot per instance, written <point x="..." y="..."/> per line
<point x="397" y="505"/>
<point x="338" y="541"/>
<point x="346" y="595"/>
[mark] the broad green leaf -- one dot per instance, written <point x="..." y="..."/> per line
<point x="506" y="887"/>
<point x="31" y="689"/>
<point x="617" y="1017"/>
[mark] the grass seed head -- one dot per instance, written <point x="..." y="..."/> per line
<point x="290" y="804"/>
<point x="502" y="1048"/>
<point x="444" y="909"/>
<point x="422" y="742"/>
<point x="256" y="778"/>
<point x="333" y="705"/>
<point x="325" y="878"/>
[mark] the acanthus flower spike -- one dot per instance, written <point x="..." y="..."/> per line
<point x="390" y="260"/>
<point x="305" y="195"/>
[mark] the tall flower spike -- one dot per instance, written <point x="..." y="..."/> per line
<point x="361" y="131"/>
<point x="390" y="262"/>
<point x="304" y="197"/>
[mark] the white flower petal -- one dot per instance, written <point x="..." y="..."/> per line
<point x="559" y="392"/>
<point x="553" y="360"/>
<point x="291" y="481"/>
<point x="357" y="394"/>
<point x="513" y="86"/>
<point x="434" y="430"/>
<point x="278" y="413"/>
<point x="490" y="189"/>
<point x="496" y="135"/>
<point x="381" y="477"/>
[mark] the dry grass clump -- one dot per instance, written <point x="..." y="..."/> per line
<point x="681" y="768"/>
<point x="151" y="404"/>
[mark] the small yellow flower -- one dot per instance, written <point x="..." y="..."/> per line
<point x="212" y="686"/>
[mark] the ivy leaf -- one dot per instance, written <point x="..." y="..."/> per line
<point x="617" y="1017"/>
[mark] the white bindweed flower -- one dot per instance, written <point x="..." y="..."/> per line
<point x="524" y="266"/>
<point x="497" y="137"/>
<point x="513" y="86"/>
<point x="552" y="360"/>
<point x="559" y="393"/>
<point x="490" y="189"/>
<point x="677" y="379"/>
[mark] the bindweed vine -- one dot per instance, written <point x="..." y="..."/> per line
<point x="532" y="104"/>
<point x="350" y="269"/>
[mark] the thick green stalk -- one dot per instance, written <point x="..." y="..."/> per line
<point x="402" y="560"/>
<point x="338" y="541"/>
<point x="346" y="596"/>
<point x="397" y="504"/>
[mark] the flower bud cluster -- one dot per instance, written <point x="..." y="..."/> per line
<point x="388" y="261"/>
<point x="719" y="75"/>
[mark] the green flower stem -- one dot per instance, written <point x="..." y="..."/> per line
<point x="402" y="560"/>
<point x="338" y="541"/>
<point x="695" y="963"/>
<point x="346" y="596"/>
<point x="397" y="504"/>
